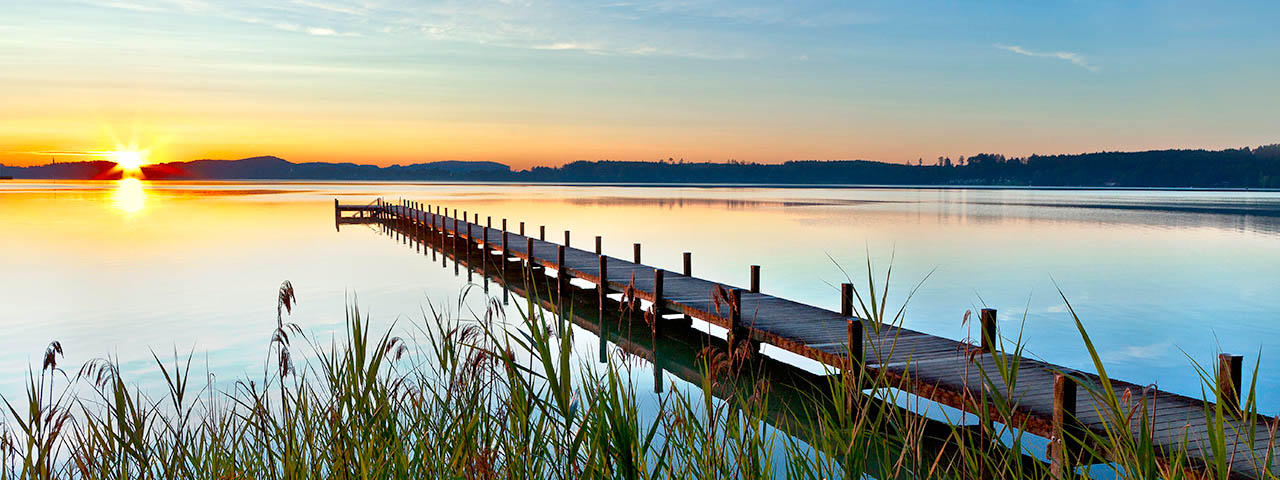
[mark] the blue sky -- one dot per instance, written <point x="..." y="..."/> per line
<point x="548" y="82"/>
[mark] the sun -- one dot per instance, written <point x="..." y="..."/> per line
<point x="129" y="160"/>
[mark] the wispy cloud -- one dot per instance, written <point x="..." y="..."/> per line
<point x="568" y="46"/>
<point x="709" y="29"/>
<point x="1075" y="58"/>
<point x="64" y="153"/>
<point x="1139" y="352"/>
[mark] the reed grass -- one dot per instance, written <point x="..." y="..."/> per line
<point x="499" y="397"/>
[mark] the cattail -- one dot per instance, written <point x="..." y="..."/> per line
<point x="51" y="354"/>
<point x="285" y="301"/>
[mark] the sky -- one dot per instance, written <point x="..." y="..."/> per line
<point x="544" y="83"/>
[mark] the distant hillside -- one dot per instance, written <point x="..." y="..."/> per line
<point x="1231" y="168"/>
<point x="267" y="168"/>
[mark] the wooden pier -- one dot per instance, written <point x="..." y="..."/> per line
<point x="1050" y="400"/>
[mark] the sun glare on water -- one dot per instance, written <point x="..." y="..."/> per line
<point x="130" y="196"/>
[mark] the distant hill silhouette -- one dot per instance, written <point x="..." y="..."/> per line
<point x="1231" y="168"/>
<point x="266" y="168"/>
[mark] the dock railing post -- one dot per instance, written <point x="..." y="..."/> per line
<point x="854" y="325"/>
<point x="656" y="307"/>
<point x="484" y="245"/>
<point x="846" y="299"/>
<point x="528" y="251"/>
<point x="566" y="238"/>
<point x="599" y="245"/>
<point x="504" y="249"/>
<point x="737" y="331"/>
<point x="521" y="229"/>
<point x="602" y="294"/>
<point x="635" y="250"/>
<point x="542" y="232"/>
<point x="1229" y="378"/>
<point x="988" y="321"/>
<point x="562" y="277"/>
<point x="1066" y="428"/>
<point x="337" y="214"/>
<point x="755" y="279"/>
<point x="685" y="320"/>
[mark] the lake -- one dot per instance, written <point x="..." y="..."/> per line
<point x="1160" y="278"/>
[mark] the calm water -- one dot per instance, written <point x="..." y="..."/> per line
<point x="1159" y="278"/>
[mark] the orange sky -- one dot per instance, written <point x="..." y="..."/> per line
<point x="523" y="85"/>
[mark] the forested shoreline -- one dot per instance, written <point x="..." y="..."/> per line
<point x="1231" y="168"/>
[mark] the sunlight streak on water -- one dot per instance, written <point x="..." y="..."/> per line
<point x="130" y="196"/>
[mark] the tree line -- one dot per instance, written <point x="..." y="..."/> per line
<point x="1231" y="168"/>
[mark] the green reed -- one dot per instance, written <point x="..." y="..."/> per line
<point x="500" y="397"/>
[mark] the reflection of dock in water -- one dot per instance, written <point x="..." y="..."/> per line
<point x="935" y="368"/>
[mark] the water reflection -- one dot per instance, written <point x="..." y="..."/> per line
<point x="1167" y="273"/>
<point x="130" y="196"/>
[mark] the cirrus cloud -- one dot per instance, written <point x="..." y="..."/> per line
<point x="1075" y="58"/>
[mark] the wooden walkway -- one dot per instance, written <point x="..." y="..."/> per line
<point x="1048" y="401"/>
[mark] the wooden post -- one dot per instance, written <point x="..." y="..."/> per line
<point x="636" y="252"/>
<point x="337" y="214"/>
<point x="854" y="325"/>
<point x="737" y="332"/>
<point x="1229" y="373"/>
<point x="562" y="277"/>
<point x="488" y="221"/>
<point x="566" y="238"/>
<point x="988" y="320"/>
<point x="602" y="292"/>
<point x="846" y="299"/>
<point x="685" y="320"/>
<point x="521" y="229"/>
<point x="755" y="279"/>
<point x="528" y="251"/>
<point x="542" y="232"/>
<point x="504" y="251"/>
<point x="599" y="245"/>
<point x="657" y="302"/>
<point x="1065" y="427"/>
<point x="476" y="219"/>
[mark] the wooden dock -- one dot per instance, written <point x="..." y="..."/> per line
<point x="1051" y="401"/>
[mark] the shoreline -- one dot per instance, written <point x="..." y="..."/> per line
<point x="844" y="186"/>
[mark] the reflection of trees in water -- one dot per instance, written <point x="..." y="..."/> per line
<point x="1253" y="216"/>
<point x="727" y="203"/>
